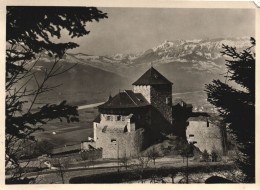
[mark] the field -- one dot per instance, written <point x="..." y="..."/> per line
<point x="69" y="133"/>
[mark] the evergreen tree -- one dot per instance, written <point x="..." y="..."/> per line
<point x="31" y="31"/>
<point x="237" y="105"/>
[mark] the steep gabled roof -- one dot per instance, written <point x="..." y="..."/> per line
<point x="152" y="77"/>
<point x="126" y="99"/>
<point x="97" y="119"/>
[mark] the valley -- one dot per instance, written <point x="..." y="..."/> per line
<point x="188" y="64"/>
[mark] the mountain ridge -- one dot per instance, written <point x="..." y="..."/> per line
<point x="189" y="64"/>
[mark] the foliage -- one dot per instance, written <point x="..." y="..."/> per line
<point x="33" y="149"/>
<point x="153" y="154"/>
<point x="148" y="174"/>
<point x="214" y="156"/>
<point x="30" y="32"/>
<point x="205" y="156"/>
<point x="141" y="166"/>
<point x="125" y="161"/>
<point x="237" y="104"/>
<point x="187" y="150"/>
<point x="62" y="165"/>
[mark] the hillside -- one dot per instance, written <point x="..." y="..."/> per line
<point x="82" y="84"/>
<point x="189" y="64"/>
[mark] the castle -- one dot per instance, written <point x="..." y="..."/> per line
<point x="132" y="120"/>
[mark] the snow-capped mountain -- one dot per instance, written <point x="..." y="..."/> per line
<point x="167" y="51"/>
<point x="189" y="64"/>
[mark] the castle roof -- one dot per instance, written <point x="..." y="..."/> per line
<point x="126" y="99"/>
<point x="152" y="77"/>
<point x="97" y="119"/>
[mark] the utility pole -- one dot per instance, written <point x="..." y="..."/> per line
<point x="187" y="172"/>
<point x="187" y="154"/>
<point x="118" y="156"/>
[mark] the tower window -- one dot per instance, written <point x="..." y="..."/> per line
<point x="191" y="135"/>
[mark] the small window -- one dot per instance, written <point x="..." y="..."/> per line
<point x="109" y="118"/>
<point x="191" y="135"/>
<point x="113" y="140"/>
<point x="194" y="142"/>
<point x="118" y="118"/>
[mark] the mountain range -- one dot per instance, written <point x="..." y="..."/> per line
<point x="189" y="64"/>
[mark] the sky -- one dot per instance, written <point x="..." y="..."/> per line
<point x="132" y="30"/>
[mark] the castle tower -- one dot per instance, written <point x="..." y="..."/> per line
<point x="157" y="90"/>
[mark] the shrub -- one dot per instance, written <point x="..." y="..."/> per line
<point x="205" y="156"/>
<point x="214" y="156"/>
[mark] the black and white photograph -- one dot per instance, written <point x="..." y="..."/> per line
<point x="129" y="95"/>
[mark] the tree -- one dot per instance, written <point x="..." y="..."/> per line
<point x="153" y="154"/>
<point x="205" y="156"/>
<point x="84" y="157"/>
<point x="31" y="32"/>
<point x="34" y="149"/>
<point x="125" y="161"/>
<point x="62" y="165"/>
<point x="214" y="156"/>
<point x="237" y="104"/>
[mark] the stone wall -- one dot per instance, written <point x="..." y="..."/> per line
<point x="205" y="135"/>
<point x="160" y="96"/>
<point x="85" y="145"/>
<point x="92" y="154"/>
<point x="161" y="99"/>
<point x="116" y="144"/>
<point x="145" y="90"/>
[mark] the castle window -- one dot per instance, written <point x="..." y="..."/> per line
<point x="109" y="118"/>
<point x="113" y="140"/>
<point x="191" y="135"/>
<point x="194" y="142"/>
<point x="118" y="118"/>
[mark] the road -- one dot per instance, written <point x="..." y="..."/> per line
<point x="46" y="177"/>
<point x="90" y="105"/>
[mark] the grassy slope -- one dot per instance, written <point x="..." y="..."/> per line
<point x="72" y="133"/>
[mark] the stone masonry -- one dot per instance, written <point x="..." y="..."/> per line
<point x="205" y="135"/>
